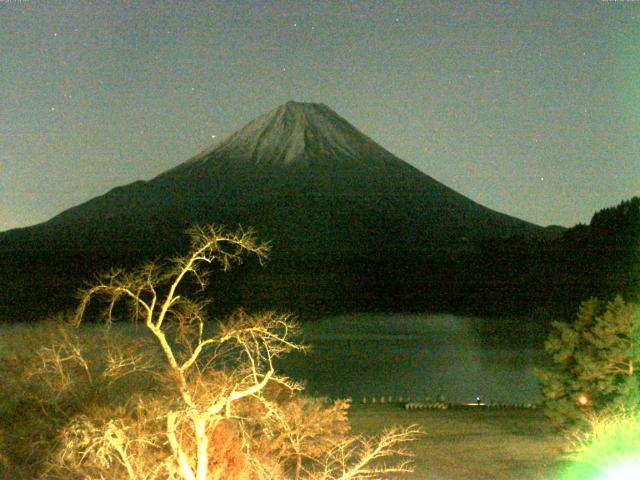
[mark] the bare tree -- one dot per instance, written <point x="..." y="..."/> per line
<point x="363" y="458"/>
<point x="219" y="375"/>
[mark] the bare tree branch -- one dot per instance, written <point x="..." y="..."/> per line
<point x="218" y="374"/>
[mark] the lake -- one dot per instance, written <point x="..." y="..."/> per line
<point x="416" y="356"/>
<point x="404" y="355"/>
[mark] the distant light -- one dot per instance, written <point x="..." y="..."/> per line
<point x="583" y="400"/>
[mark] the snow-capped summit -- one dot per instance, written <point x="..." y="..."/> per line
<point x="296" y="136"/>
<point x="293" y="132"/>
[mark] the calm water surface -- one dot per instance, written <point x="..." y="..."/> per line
<point x="415" y="356"/>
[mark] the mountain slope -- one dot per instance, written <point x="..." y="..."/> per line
<point x="305" y="178"/>
<point x="301" y="174"/>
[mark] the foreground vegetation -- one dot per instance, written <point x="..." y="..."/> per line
<point x="472" y="443"/>
<point x="595" y="363"/>
<point x="457" y="443"/>
<point x="176" y="397"/>
<point x="592" y="389"/>
<point x="179" y="401"/>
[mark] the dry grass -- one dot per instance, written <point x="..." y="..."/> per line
<point x="472" y="443"/>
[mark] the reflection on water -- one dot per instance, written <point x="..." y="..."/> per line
<point x="416" y="356"/>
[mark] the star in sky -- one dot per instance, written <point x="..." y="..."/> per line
<point x="483" y="78"/>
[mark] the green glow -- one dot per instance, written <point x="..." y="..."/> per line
<point x="625" y="471"/>
<point x="610" y="452"/>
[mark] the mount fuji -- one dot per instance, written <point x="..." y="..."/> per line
<point x="303" y="176"/>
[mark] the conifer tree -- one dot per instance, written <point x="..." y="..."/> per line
<point x="596" y="359"/>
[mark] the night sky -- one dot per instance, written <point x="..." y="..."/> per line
<point x="530" y="108"/>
